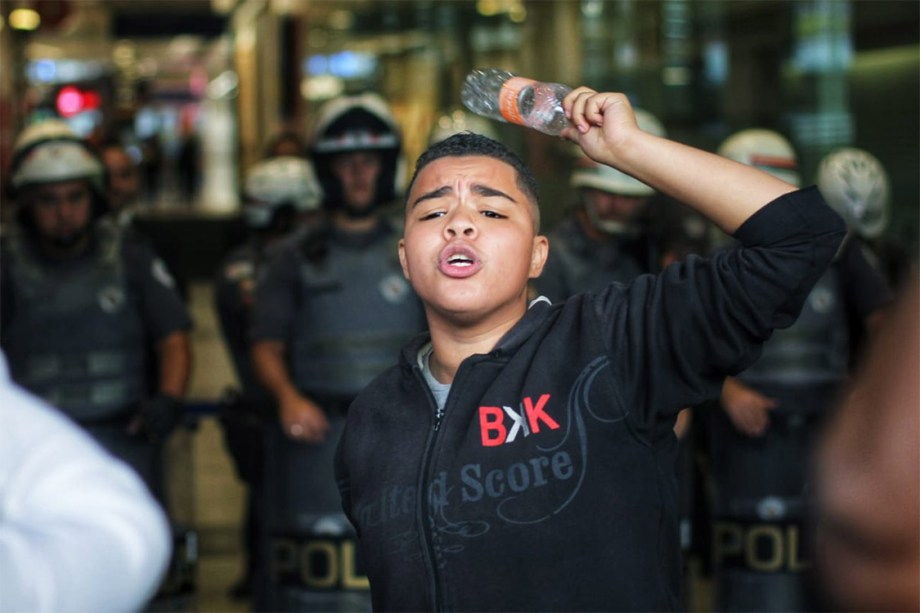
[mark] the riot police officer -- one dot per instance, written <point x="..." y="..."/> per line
<point x="761" y="437"/>
<point x="280" y="195"/>
<point x="331" y="311"/>
<point x="81" y="306"/>
<point x="855" y="184"/>
<point x="606" y="237"/>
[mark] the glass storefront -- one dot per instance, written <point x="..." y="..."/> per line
<point x="232" y="74"/>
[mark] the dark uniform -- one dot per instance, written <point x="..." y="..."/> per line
<point x="77" y="333"/>
<point x="761" y="505"/>
<point x="234" y="290"/>
<point x="89" y="317"/>
<point x="576" y="263"/>
<point x="762" y="502"/>
<point x="280" y="194"/>
<point x="336" y="298"/>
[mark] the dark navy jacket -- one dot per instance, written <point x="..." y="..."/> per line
<point x="549" y="484"/>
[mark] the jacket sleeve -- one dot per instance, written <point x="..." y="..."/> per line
<point x="675" y="336"/>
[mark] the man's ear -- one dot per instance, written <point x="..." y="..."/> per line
<point x="538" y="255"/>
<point x="402" y="258"/>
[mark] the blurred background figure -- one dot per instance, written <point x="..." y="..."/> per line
<point x="280" y="195"/>
<point x="123" y="196"/>
<point x="856" y="185"/>
<point x="606" y="237"/>
<point x="152" y="168"/>
<point x="189" y="167"/>
<point x="286" y="143"/>
<point x="868" y="492"/>
<point x="89" y="321"/>
<point x="767" y="150"/>
<point x="79" y="530"/>
<point x="331" y="311"/>
<point x="761" y="438"/>
<point x="123" y="181"/>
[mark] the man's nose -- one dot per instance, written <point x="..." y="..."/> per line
<point x="460" y="223"/>
<point x="68" y="210"/>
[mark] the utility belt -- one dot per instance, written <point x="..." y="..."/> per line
<point x="234" y="403"/>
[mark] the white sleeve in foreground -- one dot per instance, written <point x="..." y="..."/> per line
<point x="79" y="531"/>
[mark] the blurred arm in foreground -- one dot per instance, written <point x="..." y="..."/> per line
<point x="78" y="529"/>
<point x="869" y="491"/>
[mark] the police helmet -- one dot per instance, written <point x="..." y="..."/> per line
<point x="50" y="152"/>
<point x="589" y="173"/>
<point x="766" y="150"/>
<point x="278" y="182"/>
<point x="49" y="129"/>
<point x="56" y="161"/>
<point x="351" y="124"/>
<point x="855" y="184"/>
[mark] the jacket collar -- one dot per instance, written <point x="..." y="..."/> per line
<point x="537" y="312"/>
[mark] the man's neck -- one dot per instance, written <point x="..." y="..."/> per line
<point x="347" y="223"/>
<point x="56" y="252"/>
<point x="453" y="343"/>
<point x="590" y="231"/>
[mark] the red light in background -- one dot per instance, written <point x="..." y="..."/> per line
<point x="71" y="100"/>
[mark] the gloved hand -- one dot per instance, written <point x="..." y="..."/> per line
<point x="157" y="417"/>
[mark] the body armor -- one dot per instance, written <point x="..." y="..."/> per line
<point x="815" y="350"/>
<point x="762" y="537"/>
<point x="76" y="339"/>
<point x="589" y="267"/>
<point x="356" y="312"/>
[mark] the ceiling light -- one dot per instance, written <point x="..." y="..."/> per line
<point x="25" y="19"/>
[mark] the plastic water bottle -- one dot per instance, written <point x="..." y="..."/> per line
<point x="499" y="94"/>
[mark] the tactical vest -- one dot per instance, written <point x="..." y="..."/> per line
<point x="76" y="339"/>
<point x="590" y="267"/>
<point x="815" y="350"/>
<point x="356" y="312"/>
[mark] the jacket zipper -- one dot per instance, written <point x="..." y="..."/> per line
<point x="424" y="502"/>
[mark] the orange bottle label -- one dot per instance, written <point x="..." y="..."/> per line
<point x="508" y="98"/>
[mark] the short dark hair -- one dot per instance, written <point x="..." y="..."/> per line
<point x="467" y="144"/>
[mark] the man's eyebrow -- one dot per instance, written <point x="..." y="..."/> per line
<point x="485" y="190"/>
<point x="435" y="193"/>
<point x="478" y="188"/>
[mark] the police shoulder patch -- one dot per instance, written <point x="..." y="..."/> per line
<point x="161" y="273"/>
